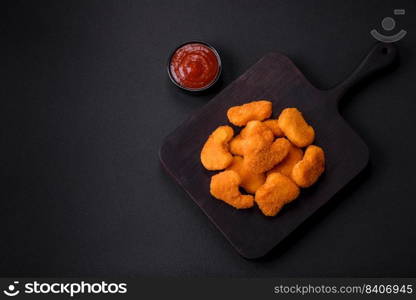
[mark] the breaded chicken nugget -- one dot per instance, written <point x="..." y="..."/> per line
<point x="237" y="145"/>
<point x="249" y="180"/>
<point x="264" y="158"/>
<point x="285" y="166"/>
<point x="258" y="135"/>
<point x="295" y="128"/>
<point x="273" y="125"/>
<point x="215" y="154"/>
<point x="275" y="193"/>
<point x="224" y="186"/>
<point x="257" y="128"/>
<point x="307" y="171"/>
<point x="256" y="110"/>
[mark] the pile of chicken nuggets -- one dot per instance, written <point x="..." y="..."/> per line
<point x="270" y="159"/>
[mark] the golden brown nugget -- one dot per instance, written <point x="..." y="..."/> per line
<point x="224" y="186"/>
<point x="285" y="166"/>
<point x="275" y="193"/>
<point x="256" y="110"/>
<point x="273" y="125"/>
<point x="256" y="136"/>
<point x="265" y="158"/>
<point x="215" y="154"/>
<point x="258" y="128"/>
<point x="255" y="129"/>
<point x="237" y="145"/>
<point x="307" y="171"/>
<point x="249" y="180"/>
<point x="295" y="128"/>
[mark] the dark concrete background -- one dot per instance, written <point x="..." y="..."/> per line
<point x="86" y="102"/>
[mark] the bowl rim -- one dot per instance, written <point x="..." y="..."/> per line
<point x="217" y="55"/>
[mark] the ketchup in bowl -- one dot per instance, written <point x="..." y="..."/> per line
<point x="194" y="66"/>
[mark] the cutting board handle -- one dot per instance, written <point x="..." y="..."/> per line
<point x="381" y="56"/>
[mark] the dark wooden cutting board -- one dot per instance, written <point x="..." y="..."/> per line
<point x="277" y="79"/>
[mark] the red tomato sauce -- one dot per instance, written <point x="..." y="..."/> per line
<point x="194" y="66"/>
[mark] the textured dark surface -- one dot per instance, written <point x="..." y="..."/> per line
<point x="276" y="79"/>
<point x="86" y="103"/>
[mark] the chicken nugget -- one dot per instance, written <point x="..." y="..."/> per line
<point x="307" y="171"/>
<point x="215" y="154"/>
<point x="224" y="186"/>
<point x="285" y="166"/>
<point x="273" y="125"/>
<point x="257" y="128"/>
<point x="275" y="193"/>
<point x="249" y="180"/>
<point x="256" y="110"/>
<point x="264" y="158"/>
<point x="237" y="145"/>
<point x="295" y="128"/>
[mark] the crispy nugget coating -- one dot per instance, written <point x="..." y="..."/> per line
<point x="263" y="159"/>
<point x="257" y="132"/>
<point x="307" y="171"/>
<point x="257" y="128"/>
<point x="256" y="110"/>
<point x="285" y="166"/>
<point x="256" y="137"/>
<point x="295" y="128"/>
<point x="237" y="145"/>
<point x="275" y="193"/>
<point x="215" y="154"/>
<point x="273" y="125"/>
<point x="224" y="186"/>
<point x="249" y="180"/>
